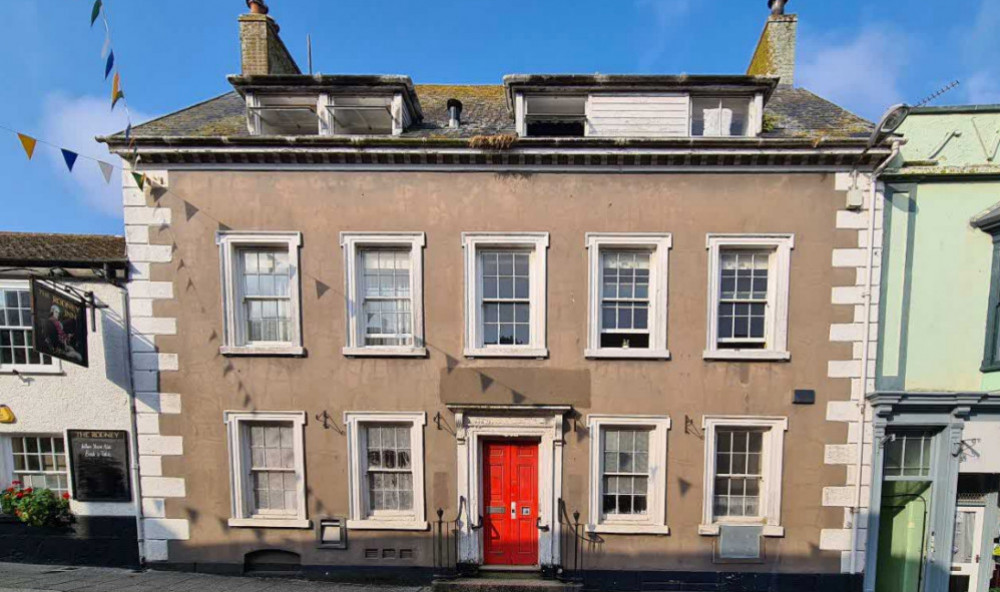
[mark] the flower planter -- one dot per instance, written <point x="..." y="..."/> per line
<point x="90" y="540"/>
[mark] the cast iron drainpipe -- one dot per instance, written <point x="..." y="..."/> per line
<point x="134" y="444"/>
<point x="865" y="348"/>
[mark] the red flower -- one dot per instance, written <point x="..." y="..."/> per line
<point x="10" y="490"/>
<point x="20" y="495"/>
<point x="28" y="490"/>
<point x="15" y="482"/>
<point x="66" y="496"/>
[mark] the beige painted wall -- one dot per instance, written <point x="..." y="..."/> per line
<point x="321" y="204"/>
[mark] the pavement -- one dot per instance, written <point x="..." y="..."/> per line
<point x="23" y="577"/>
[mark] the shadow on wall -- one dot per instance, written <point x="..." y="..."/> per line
<point x="115" y="340"/>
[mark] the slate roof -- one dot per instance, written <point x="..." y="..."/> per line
<point x="65" y="250"/>
<point x="790" y="113"/>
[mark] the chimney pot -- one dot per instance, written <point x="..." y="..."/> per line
<point x="257" y="6"/>
<point x="777" y="6"/>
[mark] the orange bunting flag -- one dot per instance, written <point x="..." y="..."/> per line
<point x="28" y="143"/>
<point x="116" y="92"/>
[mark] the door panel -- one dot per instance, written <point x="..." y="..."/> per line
<point x="510" y="483"/>
<point x="967" y="549"/>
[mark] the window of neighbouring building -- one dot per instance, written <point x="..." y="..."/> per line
<point x="39" y="462"/>
<point x="16" y="334"/>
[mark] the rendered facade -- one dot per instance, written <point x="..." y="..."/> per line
<point x="632" y="297"/>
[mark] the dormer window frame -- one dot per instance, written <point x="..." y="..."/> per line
<point x="398" y="113"/>
<point x="755" y="108"/>
<point x="323" y="106"/>
<point x="254" y="105"/>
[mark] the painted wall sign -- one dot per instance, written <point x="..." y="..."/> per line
<point x="59" y="324"/>
<point x="99" y="465"/>
<point x="980" y="441"/>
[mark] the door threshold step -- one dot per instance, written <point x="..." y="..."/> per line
<point x="498" y="584"/>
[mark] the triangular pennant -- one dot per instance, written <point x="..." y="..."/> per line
<point x="107" y="46"/>
<point x="109" y="64"/>
<point x="70" y="157"/>
<point x="118" y="96"/>
<point x="115" y="89"/>
<point x="95" y="12"/>
<point x="29" y="144"/>
<point x="321" y="289"/>
<point x="485" y="381"/>
<point x="106" y="170"/>
<point x="189" y="210"/>
<point x="140" y="180"/>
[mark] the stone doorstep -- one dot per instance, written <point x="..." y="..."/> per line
<point x="498" y="583"/>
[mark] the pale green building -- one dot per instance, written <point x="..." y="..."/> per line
<point x="935" y="410"/>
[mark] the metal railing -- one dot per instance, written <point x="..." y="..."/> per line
<point x="574" y="545"/>
<point x="446" y="564"/>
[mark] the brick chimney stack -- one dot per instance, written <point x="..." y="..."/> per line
<point x="775" y="53"/>
<point x="262" y="51"/>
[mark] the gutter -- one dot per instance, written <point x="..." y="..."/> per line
<point x="865" y="351"/>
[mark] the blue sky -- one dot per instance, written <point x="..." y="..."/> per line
<point x="863" y="55"/>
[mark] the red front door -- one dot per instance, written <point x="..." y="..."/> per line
<point x="510" y="494"/>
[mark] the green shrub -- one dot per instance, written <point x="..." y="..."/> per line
<point x="36" y="507"/>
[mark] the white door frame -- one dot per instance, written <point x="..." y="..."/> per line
<point x="475" y="423"/>
<point x="972" y="569"/>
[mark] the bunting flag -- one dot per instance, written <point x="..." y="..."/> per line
<point x="140" y="179"/>
<point x="116" y="92"/>
<point x="70" y="157"/>
<point x="28" y="143"/>
<point x="95" y="12"/>
<point x="106" y="169"/>
<point x="107" y="46"/>
<point x="109" y="65"/>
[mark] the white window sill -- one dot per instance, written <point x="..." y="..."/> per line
<point x="385" y="352"/>
<point x="746" y="354"/>
<point x="27" y="370"/>
<point x="401" y="524"/>
<point x="768" y="530"/>
<point x="507" y="352"/>
<point x="627" y="354"/>
<point x="270" y="523"/>
<point x="625" y="528"/>
<point x="262" y="350"/>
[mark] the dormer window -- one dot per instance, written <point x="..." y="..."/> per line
<point x="547" y="116"/>
<point x="719" y="116"/>
<point x="274" y="115"/>
<point x="360" y="115"/>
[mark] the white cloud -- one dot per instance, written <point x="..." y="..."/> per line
<point x="980" y="45"/>
<point x="666" y="15"/>
<point x="862" y="73"/>
<point x="72" y="123"/>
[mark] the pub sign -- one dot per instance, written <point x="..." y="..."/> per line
<point x="59" y="324"/>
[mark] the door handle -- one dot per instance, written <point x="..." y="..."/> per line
<point x="513" y="510"/>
